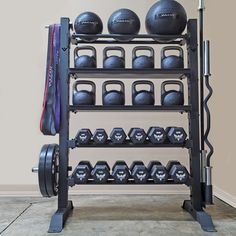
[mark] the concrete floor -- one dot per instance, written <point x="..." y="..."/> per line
<point x="112" y="215"/>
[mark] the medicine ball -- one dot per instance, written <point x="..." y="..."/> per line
<point x="88" y="23"/>
<point x="166" y="17"/>
<point x="125" y="22"/>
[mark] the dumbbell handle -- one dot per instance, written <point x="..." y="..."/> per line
<point x="35" y="169"/>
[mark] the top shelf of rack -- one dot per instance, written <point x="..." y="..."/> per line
<point x="138" y="39"/>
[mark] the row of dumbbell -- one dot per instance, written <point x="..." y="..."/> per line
<point x="155" y="135"/>
<point x="112" y="97"/>
<point x="138" y="172"/>
<point x="143" y="61"/>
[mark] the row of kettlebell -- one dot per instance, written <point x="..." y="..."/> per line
<point x="139" y="62"/>
<point x="112" y="97"/>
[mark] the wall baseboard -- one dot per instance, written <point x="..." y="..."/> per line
<point x="224" y="196"/>
<point x="33" y="191"/>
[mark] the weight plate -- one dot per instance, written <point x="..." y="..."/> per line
<point x="51" y="174"/>
<point x="41" y="170"/>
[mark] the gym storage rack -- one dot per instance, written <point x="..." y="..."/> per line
<point x="195" y="206"/>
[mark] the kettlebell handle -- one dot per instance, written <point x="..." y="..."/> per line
<point x="110" y="82"/>
<point x="143" y="82"/>
<point x="170" y="48"/>
<point x="86" y="82"/>
<point x="90" y="48"/>
<point x="105" y="51"/>
<point x="143" y="48"/>
<point x="172" y="82"/>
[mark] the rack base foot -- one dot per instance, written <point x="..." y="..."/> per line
<point x="201" y="217"/>
<point x="59" y="218"/>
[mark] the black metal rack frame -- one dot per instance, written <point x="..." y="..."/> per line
<point x="196" y="204"/>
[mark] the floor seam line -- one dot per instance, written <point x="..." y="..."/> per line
<point x="13" y="221"/>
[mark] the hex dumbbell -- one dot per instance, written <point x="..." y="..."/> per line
<point x="101" y="172"/>
<point x="82" y="172"/>
<point x="156" y="135"/>
<point x="176" y="135"/>
<point x="118" y="136"/>
<point x="177" y="172"/>
<point x="120" y="172"/>
<point x="137" y="135"/>
<point x="157" y="172"/>
<point x="83" y="136"/>
<point x="100" y="136"/>
<point x="139" y="172"/>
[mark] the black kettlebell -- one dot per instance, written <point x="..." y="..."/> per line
<point x="84" y="97"/>
<point x="172" y="97"/>
<point x="143" y="61"/>
<point x="172" y="61"/>
<point x="143" y="97"/>
<point x="113" y="97"/>
<point x="85" y="61"/>
<point x="113" y="61"/>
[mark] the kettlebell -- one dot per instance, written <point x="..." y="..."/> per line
<point x="85" y="61"/>
<point x="113" y="97"/>
<point x="143" y="97"/>
<point x="172" y="97"/>
<point x="113" y="61"/>
<point x="172" y="61"/>
<point x="143" y="61"/>
<point x="83" y="97"/>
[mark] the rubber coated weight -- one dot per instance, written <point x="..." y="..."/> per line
<point x="137" y="135"/>
<point x="113" y="61"/>
<point x="172" y="97"/>
<point x="143" y="97"/>
<point x="82" y="172"/>
<point x="41" y="170"/>
<point x="88" y="23"/>
<point x="143" y="61"/>
<point x="177" y="172"/>
<point x="100" y="136"/>
<point x="113" y="97"/>
<point x="85" y="61"/>
<point x="166" y="17"/>
<point x="157" y="172"/>
<point x="124" y="22"/>
<point x="139" y="172"/>
<point x="83" y="136"/>
<point x="176" y="135"/>
<point x="101" y="172"/>
<point x="172" y="61"/>
<point x="84" y="97"/>
<point x="156" y="135"/>
<point x="120" y="172"/>
<point x="51" y="170"/>
<point x="118" y="136"/>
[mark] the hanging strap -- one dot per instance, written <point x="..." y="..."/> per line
<point x="50" y="118"/>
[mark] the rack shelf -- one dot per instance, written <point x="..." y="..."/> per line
<point x="138" y="39"/>
<point x="180" y="109"/>
<point x="129" y="144"/>
<point x="130" y="73"/>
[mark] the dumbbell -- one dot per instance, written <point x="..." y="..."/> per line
<point x="157" y="172"/>
<point x="176" y="135"/>
<point x="100" y="136"/>
<point x="156" y="135"/>
<point x="118" y="136"/>
<point x="137" y="135"/>
<point x="120" y="172"/>
<point x="82" y="172"/>
<point x="139" y="172"/>
<point x="101" y="172"/>
<point x="83" y="136"/>
<point x="177" y="172"/>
